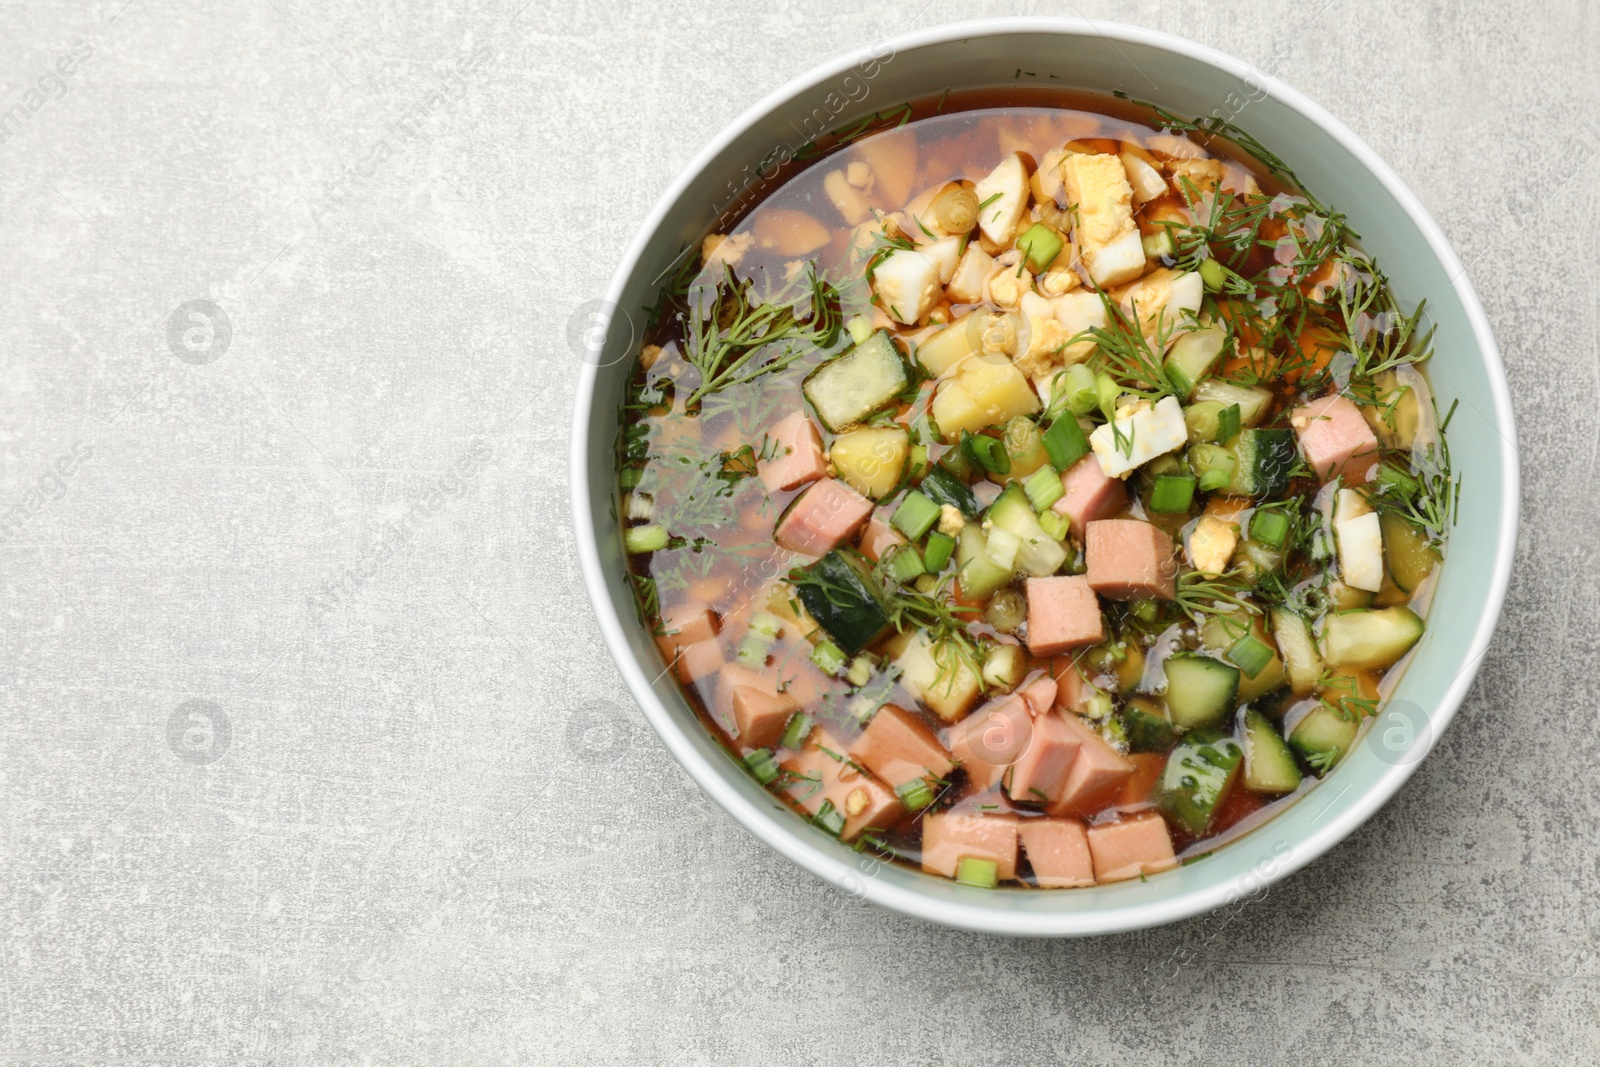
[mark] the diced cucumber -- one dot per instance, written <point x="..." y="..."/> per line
<point x="979" y="574"/>
<point x="1406" y="551"/>
<point x="1221" y="632"/>
<point x="1369" y="640"/>
<point x="942" y="487"/>
<point x="841" y="594"/>
<point x="1197" y="779"/>
<point x="1192" y="356"/>
<point x="1269" y="765"/>
<point x="1147" y="726"/>
<point x="1265" y="459"/>
<point x="1038" y="553"/>
<point x="1323" y="737"/>
<point x="1213" y="464"/>
<point x="1299" y="651"/>
<point x="1203" y="419"/>
<point x="1253" y="402"/>
<point x="1200" y="690"/>
<point x="939" y="674"/>
<point x="857" y="382"/>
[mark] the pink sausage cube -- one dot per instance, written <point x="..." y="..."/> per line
<point x="1072" y="688"/>
<point x="1127" y="849"/>
<point x="1038" y="775"/>
<point x="796" y="454"/>
<point x="878" y="538"/>
<point x="989" y="740"/>
<point x="822" y="518"/>
<point x="699" y="660"/>
<point x="1058" y="850"/>
<point x="1040" y="694"/>
<point x="1063" y="614"/>
<point x="818" y="775"/>
<point x="1097" y="771"/>
<point x="759" y="711"/>
<point x="949" y="837"/>
<point x="1090" y="495"/>
<point x="683" y="625"/>
<point x="1335" y="439"/>
<point x="1130" y="559"/>
<point x="899" y="747"/>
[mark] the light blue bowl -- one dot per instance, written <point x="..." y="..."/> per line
<point x="1342" y="170"/>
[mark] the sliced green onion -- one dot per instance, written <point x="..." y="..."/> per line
<point x="937" y="553"/>
<point x="761" y="764"/>
<point x="629" y="478"/>
<point x="1054" y="524"/>
<point x="915" y="516"/>
<point x="753" y="652"/>
<point x="1064" y="442"/>
<point x="1214" y="464"/>
<point x="1228" y="423"/>
<point x="640" y="539"/>
<point x="918" y="463"/>
<point x="1106" y="392"/>
<point x="1213" y="275"/>
<point x="860" y="328"/>
<point x="766" y="624"/>
<point x="1097" y="706"/>
<point x="915" y="794"/>
<point x="860" y="672"/>
<point x="989" y="453"/>
<point x="903" y="564"/>
<point x="1145" y="610"/>
<point x="829" y="818"/>
<point x="1173" y="493"/>
<point x="981" y="873"/>
<point x="829" y="657"/>
<point x="1157" y="245"/>
<point x="1040" y="245"/>
<point x="1079" y="389"/>
<point x="795" y="734"/>
<point x="1271" y="528"/>
<point x="1043" y="487"/>
<point x="1250" y="655"/>
<point x="1001" y="548"/>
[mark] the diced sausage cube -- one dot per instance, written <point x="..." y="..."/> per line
<point x="1039" y="693"/>
<point x="759" y="711"/>
<point x="1127" y="849"/>
<point x="1097" y="771"/>
<point x="1130" y="560"/>
<point x="699" y="660"/>
<point x="796" y="454"/>
<point x="1335" y="439"/>
<point x="818" y="774"/>
<point x="899" y="747"/>
<point x="1063" y="614"/>
<point x="1072" y="688"/>
<point x="1058" y="851"/>
<point x="1040" y="773"/>
<point x="949" y="837"/>
<point x="683" y="625"/>
<point x="1090" y="494"/>
<point x="989" y="740"/>
<point x="878" y="538"/>
<point x="822" y="518"/>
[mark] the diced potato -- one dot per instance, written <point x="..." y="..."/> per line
<point x="847" y="199"/>
<point x="892" y="155"/>
<point x="985" y="392"/>
<point x="871" y="460"/>
<point x="790" y="233"/>
<point x="947" y="348"/>
<point x="1146" y="181"/>
<point x="938" y="676"/>
<point x="946" y="253"/>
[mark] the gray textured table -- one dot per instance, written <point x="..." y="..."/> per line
<point x="293" y="763"/>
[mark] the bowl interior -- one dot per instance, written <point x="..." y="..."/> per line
<point x="1190" y="81"/>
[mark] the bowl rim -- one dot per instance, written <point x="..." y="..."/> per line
<point x="976" y="915"/>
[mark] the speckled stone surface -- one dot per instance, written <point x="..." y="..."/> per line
<point x="309" y="753"/>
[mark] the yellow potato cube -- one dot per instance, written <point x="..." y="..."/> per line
<point x="871" y="460"/>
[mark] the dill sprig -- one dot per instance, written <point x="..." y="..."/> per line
<point x="1202" y="594"/>
<point x="731" y="328"/>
